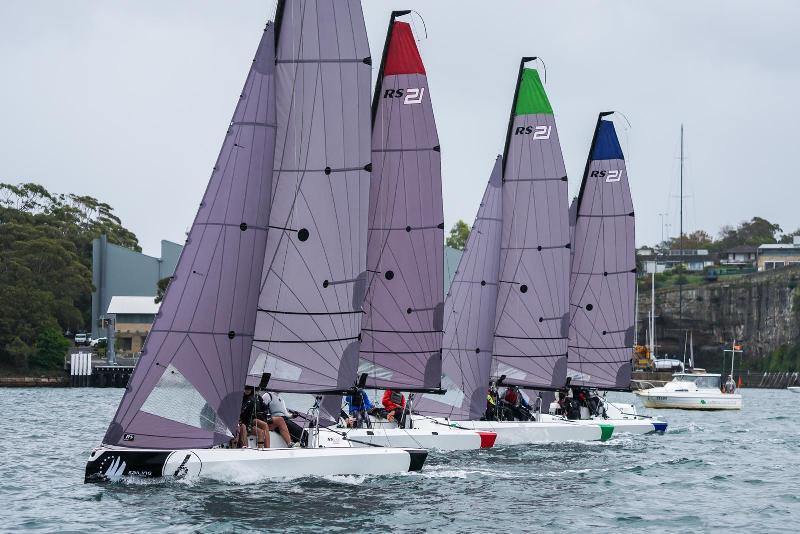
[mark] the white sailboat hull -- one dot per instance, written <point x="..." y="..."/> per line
<point x="522" y="432"/>
<point x="108" y="463"/>
<point x="439" y="437"/>
<point x="690" y="400"/>
<point x="622" y="417"/>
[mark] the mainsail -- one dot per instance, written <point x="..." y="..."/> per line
<point x="602" y="285"/>
<point x="470" y="315"/>
<point x="402" y="323"/>
<point x="530" y="345"/>
<point x="186" y="391"/>
<point x="313" y="283"/>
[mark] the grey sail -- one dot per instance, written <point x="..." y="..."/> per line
<point x="402" y="324"/>
<point x="530" y="345"/>
<point x="602" y="285"/>
<point x="186" y="391"/>
<point x="470" y="315"/>
<point x="309" y="308"/>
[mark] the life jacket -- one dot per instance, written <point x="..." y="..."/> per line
<point x="511" y="397"/>
<point x="397" y="398"/>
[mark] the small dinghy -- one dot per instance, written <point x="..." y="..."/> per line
<point x="181" y="410"/>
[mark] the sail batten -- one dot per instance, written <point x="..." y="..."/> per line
<point x="309" y="308"/>
<point x="532" y="317"/>
<point x="602" y="283"/>
<point x="186" y="389"/>
<point x="402" y="322"/>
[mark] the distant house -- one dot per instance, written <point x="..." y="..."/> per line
<point x="133" y="318"/>
<point x="777" y="255"/>
<point x="693" y="259"/>
<point x="739" y="256"/>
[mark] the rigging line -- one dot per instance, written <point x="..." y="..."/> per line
<point x="282" y="312"/>
<point x="402" y="331"/>
<point x="308" y="341"/>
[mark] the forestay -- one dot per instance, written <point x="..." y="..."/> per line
<point x="602" y="285"/>
<point x="402" y="323"/>
<point x="470" y="315"/>
<point x="530" y="345"/>
<point x="309" y="308"/>
<point x="186" y="391"/>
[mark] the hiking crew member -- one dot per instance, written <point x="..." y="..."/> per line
<point x="358" y="406"/>
<point x="395" y="403"/>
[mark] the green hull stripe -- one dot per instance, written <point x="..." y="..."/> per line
<point x="606" y="431"/>
<point x="532" y="97"/>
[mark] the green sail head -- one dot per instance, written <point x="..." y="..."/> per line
<point x="531" y="98"/>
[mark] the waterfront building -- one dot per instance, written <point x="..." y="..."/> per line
<point x="777" y="255"/>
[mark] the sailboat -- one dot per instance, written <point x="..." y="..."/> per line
<point x="507" y="311"/>
<point x="602" y="287"/>
<point x="401" y="327"/>
<point x="181" y="408"/>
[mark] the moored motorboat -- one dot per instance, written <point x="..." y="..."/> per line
<point x="691" y="391"/>
<point x="794" y="389"/>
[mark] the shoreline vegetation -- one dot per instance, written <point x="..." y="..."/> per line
<point x="46" y="273"/>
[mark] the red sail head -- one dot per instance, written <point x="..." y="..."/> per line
<point x="403" y="56"/>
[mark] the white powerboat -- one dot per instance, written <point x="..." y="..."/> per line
<point x="692" y="391"/>
<point x="794" y="389"/>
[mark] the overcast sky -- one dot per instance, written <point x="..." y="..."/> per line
<point x="129" y="101"/>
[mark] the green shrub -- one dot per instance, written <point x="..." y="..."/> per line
<point x="50" y="349"/>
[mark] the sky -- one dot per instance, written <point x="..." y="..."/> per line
<point x="128" y="101"/>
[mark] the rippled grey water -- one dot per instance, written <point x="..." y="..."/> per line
<point x="710" y="471"/>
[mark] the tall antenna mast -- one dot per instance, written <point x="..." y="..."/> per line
<point x="680" y="241"/>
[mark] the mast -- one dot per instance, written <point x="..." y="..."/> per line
<point x="186" y="390"/>
<point x="401" y="329"/>
<point x="680" y="279"/>
<point x="532" y="318"/>
<point x="603" y="273"/>
<point x="309" y="307"/>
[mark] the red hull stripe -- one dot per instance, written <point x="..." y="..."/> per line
<point x="487" y="439"/>
<point x="403" y="56"/>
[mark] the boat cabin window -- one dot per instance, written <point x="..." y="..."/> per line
<point x="701" y="381"/>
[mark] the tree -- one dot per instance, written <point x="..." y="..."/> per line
<point x="789" y="238"/>
<point x="50" y="349"/>
<point x="45" y="267"/>
<point x="699" y="239"/>
<point x="459" y="234"/>
<point x="756" y="231"/>
<point x="161" y="290"/>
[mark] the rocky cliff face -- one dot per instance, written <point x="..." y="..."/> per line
<point x="762" y="310"/>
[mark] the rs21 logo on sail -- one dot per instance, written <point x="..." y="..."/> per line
<point x="410" y="96"/>
<point x="610" y="176"/>
<point x="539" y="132"/>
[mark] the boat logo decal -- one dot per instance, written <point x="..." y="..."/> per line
<point x="610" y="176"/>
<point x="116" y="469"/>
<point x="128" y="437"/>
<point x="413" y="95"/>
<point x="539" y="132"/>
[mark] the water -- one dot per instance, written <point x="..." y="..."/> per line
<point x="711" y="471"/>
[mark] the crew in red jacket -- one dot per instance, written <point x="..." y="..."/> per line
<point x="395" y="404"/>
